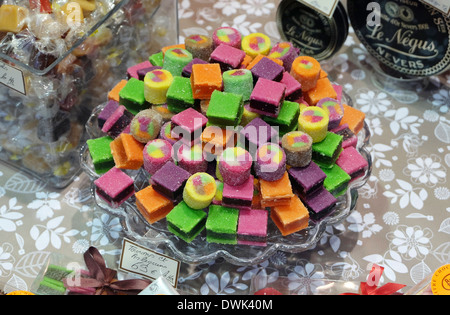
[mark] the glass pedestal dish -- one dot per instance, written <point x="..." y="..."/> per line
<point x="199" y="251"/>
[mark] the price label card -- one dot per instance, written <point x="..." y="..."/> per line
<point x="149" y="264"/>
<point x="326" y="7"/>
<point x="440" y="5"/>
<point x="12" y="78"/>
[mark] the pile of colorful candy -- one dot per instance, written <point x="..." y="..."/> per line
<point x="232" y="131"/>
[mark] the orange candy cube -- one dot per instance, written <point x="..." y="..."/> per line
<point x="113" y="95"/>
<point x="127" y="152"/>
<point x="354" y="118"/>
<point x="152" y="205"/>
<point x="277" y="193"/>
<point x="215" y="139"/>
<point x="323" y="89"/>
<point x="205" y="79"/>
<point x="291" y="218"/>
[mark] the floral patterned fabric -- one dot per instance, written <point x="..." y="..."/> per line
<point x="401" y="220"/>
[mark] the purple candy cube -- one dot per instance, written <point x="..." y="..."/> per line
<point x="307" y="179"/>
<point x="106" y="112"/>
<point x="170" y="180"/>
<point x="320" y="204"/>
<point x="267" y="69"/>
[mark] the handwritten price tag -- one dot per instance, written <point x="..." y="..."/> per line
<point x="12" y="78"/>
<point x="147" y="263"/>
<point x="326" y="7"/>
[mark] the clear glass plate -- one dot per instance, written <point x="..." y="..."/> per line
<point x="200" y="251"/>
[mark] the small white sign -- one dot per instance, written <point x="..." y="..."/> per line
<point x="12" y="78"/>
<point x="326" y="7"/>
<point x="440" y="5"/>
<point x="147" y="263"/>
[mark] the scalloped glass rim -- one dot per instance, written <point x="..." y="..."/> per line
<point x="200" y="251"/>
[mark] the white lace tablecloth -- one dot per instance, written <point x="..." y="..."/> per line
<point x="401" y="221"/>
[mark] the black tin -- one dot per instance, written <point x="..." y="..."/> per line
<point x="313" y="33"/>
<point x="409" y="38"/>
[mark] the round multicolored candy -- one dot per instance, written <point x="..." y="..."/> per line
<point x="192" y="158"/>
<point x="306" y="70"/>
<point x="156" y="85"/>
<point x="285" y="52"/>
<point x="146" y="125"/>
<point x="238" y="81"/>
<point x="314" y="121"/>
<point x="298" y="148"/>
<point x="200" y="46"/>
<point x="199" y="191"/>
<point x="256" y="44"/>
<point x="228" y="36"/>
<point x="270" y="164"/>
<point x="156" y="153"/>
<point x="166" y="133"/>
<point x="335" y="111"/>
<point x="175" y="59"/>
<point x="235" y="165"/>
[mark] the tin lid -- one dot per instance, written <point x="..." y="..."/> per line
<point x="313" y="33"/>
<point x="408" y="38"/>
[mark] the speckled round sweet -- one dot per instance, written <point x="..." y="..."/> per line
<point x="298" y="148"/>
<point x="270" y="164"/>
<point x="335" y="111"/>
<point x="256" y="44"/>
<point x="314" y="121"/>
<point x="146" y="125"/>
<point x="200" y="46"/>
<point x="235" y="165"/>
<point x="175" y="59"/>
<point x="192" y="158"/>
<point x="238" y="81"/>
<point x="156" y="153"/>
<point x="306" y="70"/>
<point x="228" y="36"/>
<point x="199" y="191"/>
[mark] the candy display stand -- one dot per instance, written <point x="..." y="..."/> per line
<point x="50" y="85"/>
